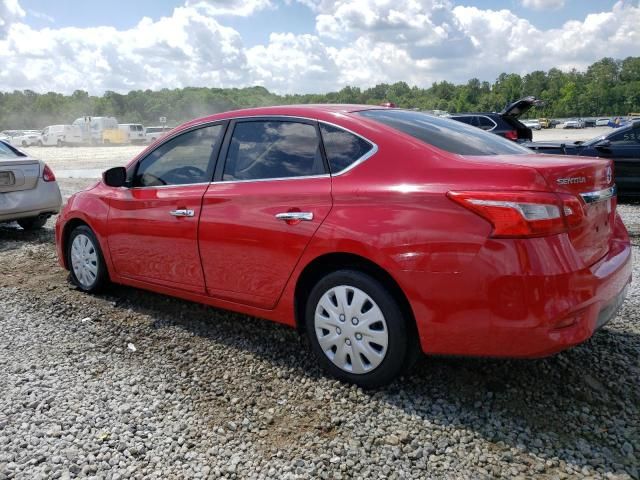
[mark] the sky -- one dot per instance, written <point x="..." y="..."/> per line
<point x="300" y="46"/>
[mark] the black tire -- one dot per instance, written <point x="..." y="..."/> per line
<point x="24" y="143"/>
<point x="59" y="143"/>
<point x="102" y="277"/>
<point x="32" y="223"/>
<point x="400" y="346"/>
<point x="40" y="143"/>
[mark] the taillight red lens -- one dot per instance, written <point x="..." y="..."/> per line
<point x="47" y="174"/>
<point x="523" y="214"/>
<point x="511" y="134"/>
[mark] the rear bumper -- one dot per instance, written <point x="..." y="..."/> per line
<point x="522" y="298"/>
<point x="45" y="199"/>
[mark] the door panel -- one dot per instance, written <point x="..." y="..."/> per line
<point x="247" y="253"/>
<point x="153" y="227"/>
<point x="626" y="160"/>
<point x="149" y="243"/>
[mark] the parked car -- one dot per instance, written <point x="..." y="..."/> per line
<point x="545" y="123"/>
<point x="134" y="132"/>
<point x="29" y="193"/>
<point x="573" y="123"/>
<point x="154" y="133"/>
<point x="60" y="135"/>
<point x="21" y="138"/>
<point x="532" y="124"/>
<point x="378" y="232"/>
<point x="504" y="123"/>
<point x="602" y="122"/>
<point x="621" y="145"/>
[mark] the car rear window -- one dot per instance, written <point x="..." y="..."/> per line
<point x="7" y="152"/>
<point x="445" y="134"/>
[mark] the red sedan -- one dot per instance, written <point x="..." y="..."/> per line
<point x="378" y="232"/>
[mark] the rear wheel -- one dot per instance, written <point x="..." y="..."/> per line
<point x="357" y="329"/>
<point x="39" y="143"/>
<point x="85" y="260"/>
<point x="33" y="223"/>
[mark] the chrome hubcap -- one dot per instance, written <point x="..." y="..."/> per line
<point x="84" y="260"/>
<point x="356" y="346"/>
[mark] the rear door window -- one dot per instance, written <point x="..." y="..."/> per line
<point x="269" y="149"/>
<point x="343" y="148"/>
<point x="444" y="133"/>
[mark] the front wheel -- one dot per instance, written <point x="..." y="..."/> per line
<point x="357" y="330"/>
<point x="85" y="260"/>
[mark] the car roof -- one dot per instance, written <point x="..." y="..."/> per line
<point x="311" y="110"/>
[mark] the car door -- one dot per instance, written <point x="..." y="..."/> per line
<point x="624" y="150"/>
<point x="153" y="224"/>
<point x="271" y="192"/>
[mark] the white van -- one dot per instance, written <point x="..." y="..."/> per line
<point x="60" y="135"/>
<point x="134" y="132"/>
<point x="154" y="133"/>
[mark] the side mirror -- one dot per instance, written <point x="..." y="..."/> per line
<point x="115" y="177"/>
<point x="605" y="143"/>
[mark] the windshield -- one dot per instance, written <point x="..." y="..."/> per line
<point x="445" y="134"/>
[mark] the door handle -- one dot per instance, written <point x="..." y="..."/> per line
<point x="295" y="216"/>
<point x="182" y="213"/>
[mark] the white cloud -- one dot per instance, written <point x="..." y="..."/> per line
<point x="41" y="16"/>
<point x="357" y="42"/>
<point x="241" y="8"/>
<point x="293" y="63"/>
<point x="543" y="4"/>
<point x="10" y="11"/>
<point x="186" y="49"/>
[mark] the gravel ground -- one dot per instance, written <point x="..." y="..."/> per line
<point x="132" y="384"/>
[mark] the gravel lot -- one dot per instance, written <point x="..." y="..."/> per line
<point x="132" y="384"/>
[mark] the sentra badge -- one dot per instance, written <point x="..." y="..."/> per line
<point x="571" y="180"/>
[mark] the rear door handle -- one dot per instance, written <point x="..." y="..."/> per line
<point x="182" y="213"/>
<point x="289" y="216"/>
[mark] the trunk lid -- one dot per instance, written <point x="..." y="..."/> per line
<point x="521" y="106"/>
<point x="18" y="174"/>
<point x="579" y="177"/>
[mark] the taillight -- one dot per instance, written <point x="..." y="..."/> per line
<point x="511" y="134"/>
<point x="47" y="174"/>
<point x="523" y="214"/>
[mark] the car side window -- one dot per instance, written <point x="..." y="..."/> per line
<point x="468" y="119"/>
<point x="183" y="160"/>
<point x="485" y="123"/>
<point x="627" y="137"/>
<point x="273" y="149"/>
<point x="342" y="148"/>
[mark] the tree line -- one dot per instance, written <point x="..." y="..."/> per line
<point x="608" y="87"/>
